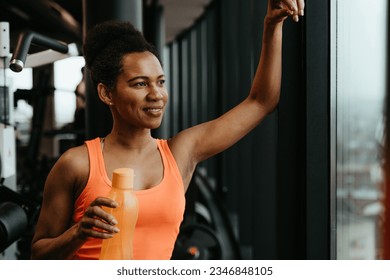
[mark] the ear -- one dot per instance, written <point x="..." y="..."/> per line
<point x="104" y="94"/>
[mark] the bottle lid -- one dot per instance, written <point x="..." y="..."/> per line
<point x="123" y="178"/>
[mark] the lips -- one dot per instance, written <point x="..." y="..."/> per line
<point x="155" y="110"/>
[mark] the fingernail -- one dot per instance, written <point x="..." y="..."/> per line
<point x="115" y="229"/>
<point x="114" y="222"/>
<point x="301" y="13"/>
<point x="296" y="18"/>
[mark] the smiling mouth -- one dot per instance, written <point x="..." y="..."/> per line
<point x="154" y="111"/>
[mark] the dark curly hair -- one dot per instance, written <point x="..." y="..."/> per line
<point x="106" y="44"/>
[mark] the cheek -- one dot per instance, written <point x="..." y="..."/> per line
<point x="166" y="97"/>
<point x="126" y="107"/>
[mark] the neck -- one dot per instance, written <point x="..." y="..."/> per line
<point x="135" y="140"/>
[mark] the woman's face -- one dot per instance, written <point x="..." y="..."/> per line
<point x="140" y="96"/>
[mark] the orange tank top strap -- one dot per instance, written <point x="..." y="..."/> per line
<point x="170" y="163"/>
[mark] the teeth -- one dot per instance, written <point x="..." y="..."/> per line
<point x="153" y="110"/>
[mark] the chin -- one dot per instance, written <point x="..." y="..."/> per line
<point x="155" y="125"/>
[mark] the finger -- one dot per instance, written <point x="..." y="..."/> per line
<point x="104" y="201"/>
<point x="96" y="234"/>
<point x="283" y="13"/>
<point x="301" y="7"/>
<point x="94" y="224"/>
<point x="97" y="211"/>
<point x="292" y="5"/>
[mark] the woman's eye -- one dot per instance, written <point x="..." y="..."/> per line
<point x="161" y="82"/>
<point x="140" y="84"/>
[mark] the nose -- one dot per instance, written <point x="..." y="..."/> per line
<point x="155" y="93"/>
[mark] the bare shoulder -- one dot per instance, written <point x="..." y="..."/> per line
<point x="186" y="144"/>
<point x="72" y="168"/>
<point x="75" y="159"/>
<point x="182" y="148"/>
<point x="181" y="145"/>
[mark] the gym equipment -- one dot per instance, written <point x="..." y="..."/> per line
<point x="17" y="216"/>
<point x="206" y="232"/>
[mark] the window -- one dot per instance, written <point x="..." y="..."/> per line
<point x="358" y="89"/>
<point x="67" y="75"/>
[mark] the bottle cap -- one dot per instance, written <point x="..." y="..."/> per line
<point x="123" y="178"/>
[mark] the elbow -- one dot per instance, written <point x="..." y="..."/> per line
<point x="38" y="251"/>
<point x="35" y="252"/>
<point x="267" y="103"/>
<point x="271" y="106"/>
<point x="266" y="95"/>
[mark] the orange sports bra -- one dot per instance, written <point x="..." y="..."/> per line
<point x="161" y="208"/>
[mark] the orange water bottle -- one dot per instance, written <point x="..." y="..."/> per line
<point x="120" y="246"/>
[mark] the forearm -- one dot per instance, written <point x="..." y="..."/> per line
<point x="266" y="84"/>
<point x="61" y="248"/>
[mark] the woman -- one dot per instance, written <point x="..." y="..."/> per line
<point x="130" y="80"/>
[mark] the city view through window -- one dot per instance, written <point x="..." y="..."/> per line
<point x="359" y="62"/>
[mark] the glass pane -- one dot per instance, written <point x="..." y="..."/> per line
<point x="67" y="75"/>
<point x="359" y="59"/>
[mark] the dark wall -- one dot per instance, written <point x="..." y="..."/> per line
<point x="274" y="182"/>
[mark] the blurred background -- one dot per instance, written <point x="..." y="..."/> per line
<point x="308" y="183"/>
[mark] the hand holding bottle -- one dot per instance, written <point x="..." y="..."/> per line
<point x="96" y="222"/>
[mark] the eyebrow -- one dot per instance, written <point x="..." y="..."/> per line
<point x="144" y="78"/>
